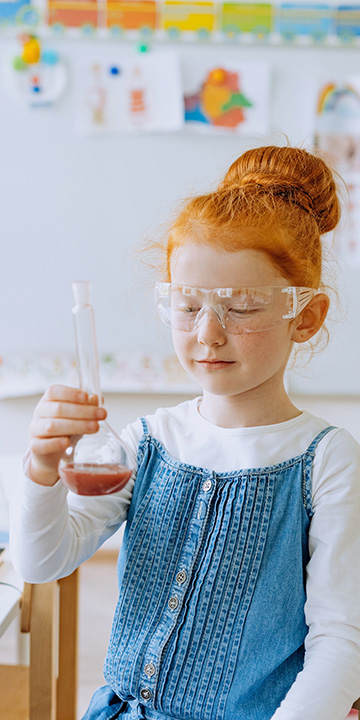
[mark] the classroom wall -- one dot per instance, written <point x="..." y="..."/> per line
<point x="76" y="207"/>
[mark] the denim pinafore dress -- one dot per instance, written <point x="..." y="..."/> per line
<point x="210" y="620"/>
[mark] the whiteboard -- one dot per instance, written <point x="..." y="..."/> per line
<point x="78" y="207"/>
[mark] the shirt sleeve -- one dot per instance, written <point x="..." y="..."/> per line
<point x="330" y="681"/>
<point x="53" y="531"/>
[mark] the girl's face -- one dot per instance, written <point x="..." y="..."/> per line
<point x="235" y="371"/>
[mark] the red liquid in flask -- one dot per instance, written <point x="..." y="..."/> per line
<point x="88" y="479"/>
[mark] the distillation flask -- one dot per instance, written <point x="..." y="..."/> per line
<point x="97" y="463"/>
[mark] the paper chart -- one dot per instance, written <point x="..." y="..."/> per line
<point x="337" y="135"/>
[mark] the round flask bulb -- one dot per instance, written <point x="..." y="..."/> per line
<point x="96" y="464"/>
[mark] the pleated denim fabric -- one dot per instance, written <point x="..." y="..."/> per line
<point x="210" y="620"/>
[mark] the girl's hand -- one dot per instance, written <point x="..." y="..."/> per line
<point x="61" y="413"/>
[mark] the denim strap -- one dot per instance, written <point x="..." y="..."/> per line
<point x="308" y="469"/>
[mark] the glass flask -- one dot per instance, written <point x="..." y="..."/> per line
<point x="97" y="463"/>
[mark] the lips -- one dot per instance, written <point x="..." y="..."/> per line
<point x="214" y="363"/>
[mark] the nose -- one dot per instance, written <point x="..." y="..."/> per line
<point x="209" y="328"/>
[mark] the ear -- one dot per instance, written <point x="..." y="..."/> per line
<point x="310" y="320"/>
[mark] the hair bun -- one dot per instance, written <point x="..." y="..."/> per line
<point x="292" y="174"/>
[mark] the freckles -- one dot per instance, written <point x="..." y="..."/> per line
<point x="253" y="340"/>
<point x="258" y="345"/>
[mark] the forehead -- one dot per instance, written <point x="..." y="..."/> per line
<point x="202" y="266"/>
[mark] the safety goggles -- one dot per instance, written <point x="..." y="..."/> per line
<point x="238" y="310"/>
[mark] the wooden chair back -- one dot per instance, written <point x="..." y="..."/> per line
<point x="46" y="689"/>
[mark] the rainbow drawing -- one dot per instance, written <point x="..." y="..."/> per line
<point x="331" y="95"/>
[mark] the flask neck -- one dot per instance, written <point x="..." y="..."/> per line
<point x="86" y="350"/>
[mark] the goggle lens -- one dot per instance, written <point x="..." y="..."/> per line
<point x="238" y="310"/>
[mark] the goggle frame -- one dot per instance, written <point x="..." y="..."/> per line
<point x="298" y="299"/>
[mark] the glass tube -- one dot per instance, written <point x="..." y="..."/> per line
<point x="94" y="464"/>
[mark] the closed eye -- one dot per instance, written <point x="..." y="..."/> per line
<point x="186" y="309"/>
<point x="245" y="310"/>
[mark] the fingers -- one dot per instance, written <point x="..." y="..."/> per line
<point x="59" y="409"/>
<point x="62" y="413"/>
<point x="55" y="427"/>
<point x="63" y="392"/>
<point x="65" y="411"/>
<point x="50" y="446"/>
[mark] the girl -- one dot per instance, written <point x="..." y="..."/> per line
<point x="239" y="570"/>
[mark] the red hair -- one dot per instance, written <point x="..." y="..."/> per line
<point x="278" y="200"/>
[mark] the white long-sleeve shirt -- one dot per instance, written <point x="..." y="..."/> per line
<point x="53" y="531"/>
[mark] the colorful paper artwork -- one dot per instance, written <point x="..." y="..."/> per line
<point x="313" y="21"/>
<point x="337" y="135"/>
<point x="34" y="75"/>
<point x="293" y="19"/>
<point x="73" y="13"/>
<point x="23" y="374"/>
<point x="247" y="18"/>
<point x="131" y="15"/>
<point x="130" y="93"/>
<point x="228" y="97"/>
<point x="178" y="16"/>
<point x="347" y="22"/>
<point x="12" y="12"/>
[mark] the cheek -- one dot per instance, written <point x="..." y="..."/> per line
<point x="252" y="342"/>
<point x="264" y="346"/>
<point x="182" y="342"/>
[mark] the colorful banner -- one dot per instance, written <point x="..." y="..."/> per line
<point x="247" y="18"/>
<point x="196" y="17"/>
<point x="131" y="15"/>
<point x="314" y="22"/>
<point x="73" y="13"/>
<point x="347" y="22"/>
<point x="131" y="372"/>
<point x="294" y="19"/>
<point x="17" y="12"/>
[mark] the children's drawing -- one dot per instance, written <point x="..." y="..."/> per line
<point x="96" y="98"/>
<point x="138" y="97"/>
<point x="35" y="76"/>
<point x="130" y="93"/>
<point x="228" y="97"/>
<point x="337" y="134"/>
<point x="338" y="108"/>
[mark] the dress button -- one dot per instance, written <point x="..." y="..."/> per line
<point x="145" y="693"/>
<point x="173" y="602"/>
<point x="181" y="577"/>
<point x="207" y="485"/>
<point x="150" y="669"/>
